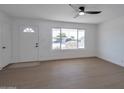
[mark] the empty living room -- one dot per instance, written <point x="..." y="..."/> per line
<point x="61" y="46"/>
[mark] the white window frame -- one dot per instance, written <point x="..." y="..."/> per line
<point x="77" y="38"/>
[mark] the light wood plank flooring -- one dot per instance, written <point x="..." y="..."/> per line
<point x="88" y="73"/>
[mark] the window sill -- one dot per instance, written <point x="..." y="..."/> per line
<point x="68" y="49"/>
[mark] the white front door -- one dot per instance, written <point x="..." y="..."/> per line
<point x="28" y="43"/>
<point x="0" y="47"/>
<point x="5" y="44"/>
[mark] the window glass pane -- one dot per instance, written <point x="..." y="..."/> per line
<point x="56" y="40"/>
<point x="81" y="38"/>
<point x="69" y="38"/>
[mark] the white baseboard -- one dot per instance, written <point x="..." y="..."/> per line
<point x="2" y="66"/>
<point x="108" y="60"/>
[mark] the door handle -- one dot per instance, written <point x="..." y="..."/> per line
<point x="3" y="47"/>
<point x="37" y="45"/>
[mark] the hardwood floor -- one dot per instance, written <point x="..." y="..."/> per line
<point x="88" y="73"/>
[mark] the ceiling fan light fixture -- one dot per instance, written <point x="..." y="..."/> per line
<point x="81" y="13"/>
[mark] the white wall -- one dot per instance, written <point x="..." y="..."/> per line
<point x="111" y="41"/>
<point x="45" y="38"/>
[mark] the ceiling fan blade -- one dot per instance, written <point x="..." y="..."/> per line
<point x="76" y="9"/>
<point x="93" y="12"/>
<point x="76" y="15"/>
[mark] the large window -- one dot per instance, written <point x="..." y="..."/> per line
<point x="68" y="38"/>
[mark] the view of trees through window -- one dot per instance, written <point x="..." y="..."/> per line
<point x="67" y="38"/>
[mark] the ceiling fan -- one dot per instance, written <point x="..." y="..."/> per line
<point x="81" y="11"/>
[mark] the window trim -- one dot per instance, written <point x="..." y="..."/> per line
<point x="77" y="39"/>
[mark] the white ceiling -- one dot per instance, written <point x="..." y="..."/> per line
<point x="63" y="12"/>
